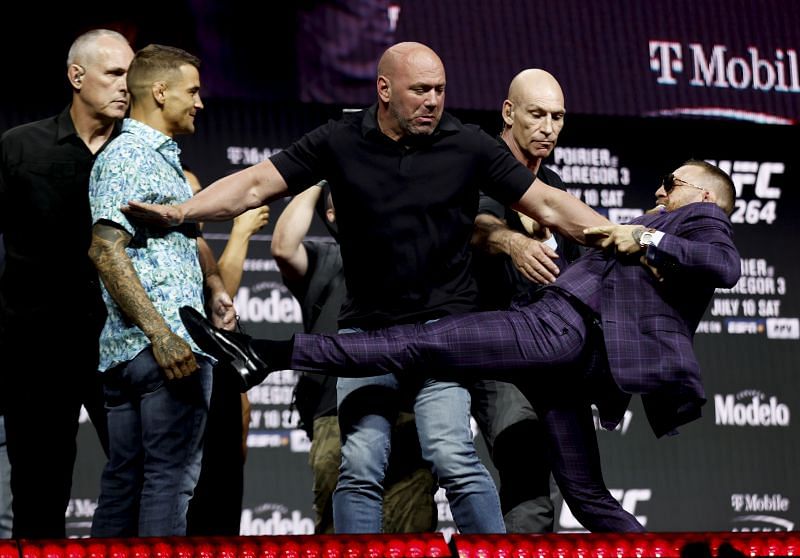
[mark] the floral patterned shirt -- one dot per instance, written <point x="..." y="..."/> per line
<point x="143" y="164"/>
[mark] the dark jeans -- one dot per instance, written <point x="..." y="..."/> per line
<point x="156" y="446"/>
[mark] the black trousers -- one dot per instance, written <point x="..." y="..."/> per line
<point x="44" y="381"/>
<point x="216" y="507"/>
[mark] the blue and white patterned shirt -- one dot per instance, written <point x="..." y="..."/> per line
<point x="143" y="164"/>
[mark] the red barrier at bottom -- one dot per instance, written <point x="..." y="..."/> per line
<point x="433" y="545"/>
<point x="301" y="546"/>
<point x="601" y="545"/>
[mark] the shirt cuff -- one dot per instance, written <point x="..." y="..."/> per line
<point x="657" y="236"/>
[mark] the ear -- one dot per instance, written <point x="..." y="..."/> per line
<point x="75" y="74"/>
<point x="159" y="90"/>
<point x="508" y="112"/>
<point x="384" y="89"/>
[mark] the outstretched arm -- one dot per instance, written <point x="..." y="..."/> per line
<point x="222" y="200"/>
<point x="115" y="268"/>
<point x="290" y="230"/>
<point x="624" y="239"/>
<point x="560" y="210"/>
<point x="704" y="246"/>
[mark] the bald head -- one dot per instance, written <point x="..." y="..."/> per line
<point x="410" y="86"/>
<point x="405" y="55"/>
<point x="86" y="48"/>
<point x="533" y="115"/>
<point x="535" y="83"/>
<point x="97" y="64"/>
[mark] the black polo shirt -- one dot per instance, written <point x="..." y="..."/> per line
<point x="499" y="281"/>
<point x="405" y="211"/>
<point x="46" y="224"/>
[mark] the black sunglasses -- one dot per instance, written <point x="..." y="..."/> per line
<point x="670" y="181"/>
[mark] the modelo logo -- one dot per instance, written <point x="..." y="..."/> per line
<point x="279" y="522"/>
<point x="750" y="408"/>
<point x="629" y="499"/>
<point x="275" y="308"/>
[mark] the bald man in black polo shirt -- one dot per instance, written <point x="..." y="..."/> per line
<point x="51" y="312"/>
<point x="405" y="177"/>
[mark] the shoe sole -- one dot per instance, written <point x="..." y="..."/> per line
<point x="216" y="345"/>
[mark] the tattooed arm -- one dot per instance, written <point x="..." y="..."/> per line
<point x="115" y="268"/>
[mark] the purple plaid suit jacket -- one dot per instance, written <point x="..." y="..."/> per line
<point x="649" y="324"/>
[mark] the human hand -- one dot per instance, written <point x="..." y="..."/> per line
<point x="252" y="221"/>
<point x="154" y="214"/>
<point x="533" y="259"/>
<point x="617" y="237"/>
<point x="223" y="314"/>
<point x="174" y="356"/>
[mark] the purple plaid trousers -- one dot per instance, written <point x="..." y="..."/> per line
<point x="531" y="342"/>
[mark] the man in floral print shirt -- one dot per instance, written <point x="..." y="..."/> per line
<point x="157" y="383"/>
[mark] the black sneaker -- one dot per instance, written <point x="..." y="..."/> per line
<point x="226" y="346"/>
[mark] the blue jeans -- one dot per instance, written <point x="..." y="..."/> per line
<point x="442" y="412"/>
<point x="155" y="448"/>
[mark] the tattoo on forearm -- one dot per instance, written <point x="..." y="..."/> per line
<point x="116" y="270"/>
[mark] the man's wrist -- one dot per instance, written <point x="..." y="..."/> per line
<point x="637" y="234"/>
<point x="644" y="237"/>
<point x="510" y="240"/>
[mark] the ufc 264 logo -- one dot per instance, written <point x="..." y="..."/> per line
<point x="756" y="195"/>
<point x="629" y="499"/>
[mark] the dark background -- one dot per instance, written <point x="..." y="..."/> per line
<point x="325" y="51"/>
<point x="274" y="70"/>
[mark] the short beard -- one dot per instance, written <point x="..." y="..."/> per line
<point x="405" y="124"/>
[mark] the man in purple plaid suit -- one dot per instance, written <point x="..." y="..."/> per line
<point x="625" y="317"/>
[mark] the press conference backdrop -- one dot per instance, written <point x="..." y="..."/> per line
<point x="734" y="469"/>
<point x="737" y="58"/>
<point x="635" y="74"/>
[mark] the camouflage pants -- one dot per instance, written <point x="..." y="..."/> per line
<point x="408" y="504"/>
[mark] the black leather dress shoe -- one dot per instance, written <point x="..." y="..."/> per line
<point x="226" y="346"/>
